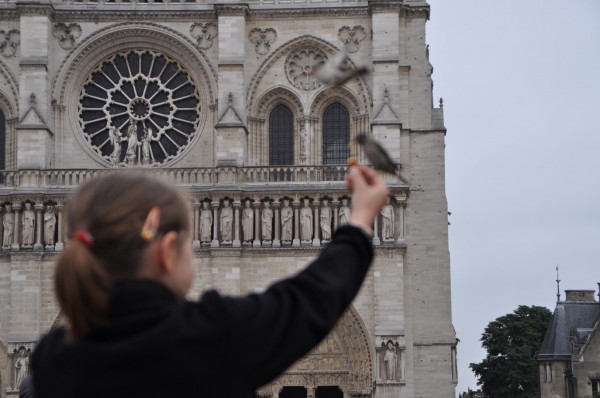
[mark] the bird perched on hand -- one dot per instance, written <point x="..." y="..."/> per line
<point x="337" y="70"/>
<point x="377" y="156"/>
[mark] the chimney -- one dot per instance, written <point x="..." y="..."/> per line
<point x="580" y="295"/>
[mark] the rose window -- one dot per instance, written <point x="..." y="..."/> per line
<point x="139" y="108"/>
<point x="301" y="65"/>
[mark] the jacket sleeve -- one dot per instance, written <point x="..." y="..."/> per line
<point x="273" y="329"/>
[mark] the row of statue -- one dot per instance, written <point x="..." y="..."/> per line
<point x="27" y="223"/>
<point x="258" y="221"/>
<point x="306" y="222"/>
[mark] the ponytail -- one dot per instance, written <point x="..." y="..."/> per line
<point x="82" y="287"/>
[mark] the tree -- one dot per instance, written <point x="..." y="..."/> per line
<point x="512" y="341"/>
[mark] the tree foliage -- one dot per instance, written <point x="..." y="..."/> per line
<point x="512" y="341"/>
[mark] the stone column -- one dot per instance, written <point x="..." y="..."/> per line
<point x="196" y="242"/>
<point x="376" y="240"/>
<point x="296" y="239"/>
<point x="236" y="224"/>
<point x="38" y="224"/>
<point x="335" y="204"/>
<point x="59" y="246"/>
<point x="215" y="241"/>
<point x="401" y="200"/>
<point x="15" y="246"/>
<point x="276" y="221"/>
<point x="257" y="222"/>
<point x="316" y="241"/>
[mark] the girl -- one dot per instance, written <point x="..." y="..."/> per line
<point x="122" y="281"/>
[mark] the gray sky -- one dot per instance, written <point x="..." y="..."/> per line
<point x="521" y="88"/>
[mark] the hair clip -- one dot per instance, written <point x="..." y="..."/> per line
<point x="150" y="228"/>
<point x="84" y="237"/>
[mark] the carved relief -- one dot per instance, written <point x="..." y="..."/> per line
<point x="226" y="221"/>
<point x="66" y="34"/>
<point x="262" y="39"/>
<point x="387" y="222"/>
<point x="9" y="41"/>
<point x="28" y="222"/>
<point x="20" y="364"/>
<point x="325" y="220"/>
<point x="206" y="220"/>
<point x="351" y="37"/>
<point x="49" y="225"/>
<point x="8" y="224"/>
<point x="301" y="65"/>
<point x="267" y="222"/>
<point x="306" y="221"/>
<point x="287" y="216"/>
<point x="204" y="33"/>
<point x="248" y="221"/>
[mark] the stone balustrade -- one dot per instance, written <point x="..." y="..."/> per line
<point x="68" y="178"/>
<point x="220" y="218"/>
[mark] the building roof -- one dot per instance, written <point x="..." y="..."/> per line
<point x="569" y="318"/>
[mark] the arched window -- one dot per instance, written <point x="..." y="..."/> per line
<point x="281" y="136"/>
<point x="2" y="141"/>
<point x="336" y="134"/>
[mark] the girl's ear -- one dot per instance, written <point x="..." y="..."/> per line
<point x="168" y="251"/>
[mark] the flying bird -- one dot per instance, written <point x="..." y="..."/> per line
<point x="338" y="70"/>
<point x="377" y="156"/>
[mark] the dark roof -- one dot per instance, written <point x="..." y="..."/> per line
<point x="567" y="315"/>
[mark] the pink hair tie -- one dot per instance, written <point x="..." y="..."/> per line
<point x="85" y="237"/>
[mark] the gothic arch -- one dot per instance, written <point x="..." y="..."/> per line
<point x="259" y="118"/>
<point x="112" y="40"/>
<point x="339" y="94"/>
<point x="288" y="47"/>
<point x="344" y="359"/>
<point x="9" y="109"/>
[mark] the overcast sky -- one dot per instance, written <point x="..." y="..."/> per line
<point x="521" y="88"/>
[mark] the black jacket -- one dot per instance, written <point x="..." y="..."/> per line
<point x="156" y="346"/>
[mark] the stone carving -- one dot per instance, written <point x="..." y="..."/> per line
<point x="226" y="221"/>
<point x="248" y="221"/>
<point x="344" y="216"/>
<point x="9" y="41"/>
<point x="115" y="141"/>
<point x="146" y="159"/>
<point x="66" y="34"/>
<point x="390" y="359"/>
<point x="301" y="65"/>
<point x="206" y="220"/>
<point x="21" y="367"/>
<point x="303" y="145"/>
<point x="306" y="221"/>
<point x="262" y="39"/>
<point x="49" y="225"/>
<point x="351" y="37"/>
<point x="8" y="223"/>
<point x="387" y="222"/>
<point x="287" y="216"/>
<point x="28" y="225"/>
<point x="142" y="91"/>
<point x="267" y="222"/>
<point x="204" y="33"/>
<point x="325" y="220"/>
<point x="132" y="143"/>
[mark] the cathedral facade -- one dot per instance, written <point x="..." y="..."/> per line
<point x="223" y="100"/>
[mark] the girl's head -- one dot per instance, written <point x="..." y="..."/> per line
<point x="105" y="218"/>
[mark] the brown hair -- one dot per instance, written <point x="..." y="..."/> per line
<point x="112" y="209"/>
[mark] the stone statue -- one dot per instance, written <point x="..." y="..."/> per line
<point x="287" y="217"/>
<point x="267" y="222"/>
<point x="49" y="225"/>
<point x="325" y="220"/>
<point x="390" y="358"/>
<point x="226" y="217"/>
<point x="387" y="221"/>
<point x="206" y="220"/>
<point x="306" y="221"/>
<point x="28" y="225"/>
<point x="22" y="367"/>
<point x="132" y="142"/>
<point x="146" y="146"/>
<point x="248" y="221"/>
<point x="303" y="145"/>
<point x="344" y="213"/>
<point x="8" y="222"/>
<point x="115" y="140"/>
